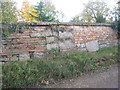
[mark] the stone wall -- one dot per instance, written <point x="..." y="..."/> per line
<point x="64" y="37"/>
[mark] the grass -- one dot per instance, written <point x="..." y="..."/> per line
<point x="22" y="74"/>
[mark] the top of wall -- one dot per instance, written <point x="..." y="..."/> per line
<point x="60" y="23"/>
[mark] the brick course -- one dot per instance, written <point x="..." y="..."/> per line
<point x="63" y="37"/>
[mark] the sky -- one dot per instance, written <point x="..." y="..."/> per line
<point x="70" y="8"/>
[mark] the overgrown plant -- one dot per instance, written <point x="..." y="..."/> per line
<point x="53" y="51"/>
<point x="24" y="73"/>
<point x="116" y="26"/>
<point x="8" y="28"/>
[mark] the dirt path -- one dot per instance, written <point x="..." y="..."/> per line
<point x="103" y="78"/>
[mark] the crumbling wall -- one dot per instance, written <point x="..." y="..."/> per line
<point x="33" y="42"/>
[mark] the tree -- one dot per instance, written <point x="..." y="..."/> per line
<point x="100" y="19"/>
<point x="95" y="12"/>
<point x="75" y="19"/>
<point x="45" y="12"/>
<point x="26" y="12"/>
<point x="116" y="23"/>
<point x="8" y="11"/>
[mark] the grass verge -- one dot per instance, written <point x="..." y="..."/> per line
<point x="22" y="74"/>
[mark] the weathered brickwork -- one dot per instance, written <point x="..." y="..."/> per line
<point x="33" y="42"/>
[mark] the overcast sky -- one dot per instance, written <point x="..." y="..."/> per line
<point x="70" y="8"/>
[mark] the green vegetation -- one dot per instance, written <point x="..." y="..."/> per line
<point x="22" y="74"/>
<point x="5" y="34"/>
<point x="53" y="51"/>
<point x="9" y="28"/>
<point x="116" y="26"/>
<point x="8" y="11"/>
<point x="94" y="12"/>
<point x="45" y="12"/>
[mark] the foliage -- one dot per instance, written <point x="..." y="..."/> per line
<point x="75" y="19"/>
<point x="9" y="11"/>
<point x="95" y="12"/>
<point x="25" y="12"/>
<point x="119" y="28"/>
<point x="116" y="26"/>
<point x="8" y="28"/>
<point x="21" y="74"/>
<point x="5" y="34"/>
<point x="100" y="19"/>
<point x="45" y="12"/>
<point x="116" y="23"/>
<point x="52" y="51"/>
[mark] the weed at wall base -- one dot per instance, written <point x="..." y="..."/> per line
<point x="22" y="74"/>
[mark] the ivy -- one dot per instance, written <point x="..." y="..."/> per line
<point x="9" y="28"/>
<point x="5" y="34"/>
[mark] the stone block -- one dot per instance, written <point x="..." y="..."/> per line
<point x="37" y="55"/>
<point x="118" y="43"/>
<point x="113" y="44"/>
<point x="67" y="44"/>
<point x="50" y="39"/>
<point x="14" y="58"/>
<point x="103" y="46"/>
<point x="81" y="49"/>
<point x="55" y="33"/>
<point x="52" y="45"/>
<point x="46" y="33"/>
<point x="24" y="57"/>
<point x="3" y="58"/>
<point x="92" y="45"/>
<point x="35" y="34"/>
<point x="65" y="35"/>
<point x="41" y="34"/>
<point x="1" y="63"/>
<point x="62" y="45"/>
<point x="81" y="45"/>
<point x="102" y="42"/>
<point x="70" y="44"/>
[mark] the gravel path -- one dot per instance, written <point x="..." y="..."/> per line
<point x="103" y="78"/>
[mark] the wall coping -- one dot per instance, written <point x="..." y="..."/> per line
<point x="60" y="23"/>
